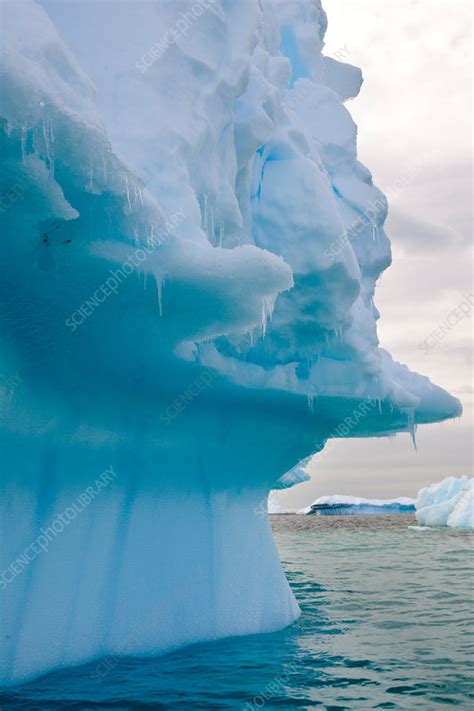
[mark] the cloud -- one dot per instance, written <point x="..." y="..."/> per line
<point x="415" y="103"/>
<point x="417" y="235"/>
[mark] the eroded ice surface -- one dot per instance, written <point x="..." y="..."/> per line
<point x="447" y="503"/>
<point x="339" y="505"/>
<point x="190" y="250"/>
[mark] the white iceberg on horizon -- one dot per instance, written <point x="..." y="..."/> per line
<point x="338" y="505"/>
<point x="448" y="503"/>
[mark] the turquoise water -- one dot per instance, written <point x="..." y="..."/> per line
<point x="387" y="623"/>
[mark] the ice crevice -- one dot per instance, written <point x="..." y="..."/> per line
<point x="233" y="184"/>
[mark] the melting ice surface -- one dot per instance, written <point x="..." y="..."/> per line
<point x="447" y="503"/>
<point x="338" y="505"/>
<point x="190" y="253"/>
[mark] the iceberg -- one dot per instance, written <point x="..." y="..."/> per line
<point x="189" y="259"/>
<point x="448" y="503"/>
<point x="338" y="505"/>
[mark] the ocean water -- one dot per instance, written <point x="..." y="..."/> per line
<point x="387" y="623"/>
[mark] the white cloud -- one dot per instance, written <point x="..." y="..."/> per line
<point x="415" y="102"/>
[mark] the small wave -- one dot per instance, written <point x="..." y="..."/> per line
<point x="421" y="528"/>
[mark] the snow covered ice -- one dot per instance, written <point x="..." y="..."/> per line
<point x="338" y="505"/>
<point x="447" y="503"/>
<point x="190" y="253"/>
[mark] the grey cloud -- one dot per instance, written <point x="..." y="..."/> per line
<point x="420" y="235"/>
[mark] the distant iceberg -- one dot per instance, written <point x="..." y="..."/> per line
<point x="338" y="505"/>
<point x="448" y="503"/>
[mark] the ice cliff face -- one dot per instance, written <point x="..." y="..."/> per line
<point x="190" y="251"/>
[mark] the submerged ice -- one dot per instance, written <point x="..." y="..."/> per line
<point x="447" y="503"/>
<point x="190" y="253"/>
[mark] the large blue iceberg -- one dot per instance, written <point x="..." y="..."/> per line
<point x="190" y="249"/>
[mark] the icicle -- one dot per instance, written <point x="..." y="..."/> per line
<point x="410" y="413"/>
<point x="310" y="399"/>
<point x="24" y="134"/>
<point x="270" y="306"/>
<point x="412" y="427"/>
<point x="159" y="289"/>
<point x="151" y="238"/>
<point x="137" y="195"/>
<point x="267" y="312"/>
<point x="264" y="318"/>
<point x="376" y="233"/>
<point x="205" y="220"/>
<point x="221" y="234"/>
<point x="47" y="145"/>
<point x="128" y="195"/>
<point x="211" y="224"/>
<point x="379" y="404"/>
<point x="373" y="231"/>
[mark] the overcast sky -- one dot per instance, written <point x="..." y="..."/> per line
<point x="415" y="103"/>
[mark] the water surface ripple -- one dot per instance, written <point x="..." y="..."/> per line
<point x="387" y="623"/>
